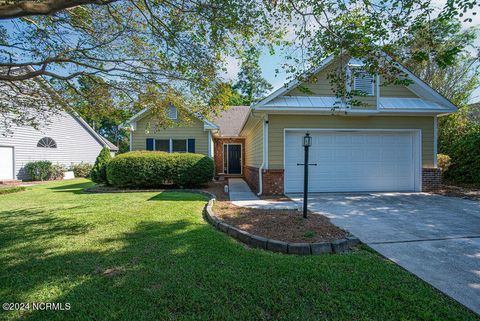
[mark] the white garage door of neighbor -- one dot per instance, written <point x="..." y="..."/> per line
<point x="354" y="161"/>
<point x="6" y="162"/>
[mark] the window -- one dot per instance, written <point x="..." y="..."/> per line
<point x="47" y="142"/>
<point x="172" y="112"/>
<point x="179" y="145"/>
<point x="162" y="145"/>
<point x="364" y="83"/>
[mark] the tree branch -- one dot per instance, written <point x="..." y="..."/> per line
<point x="48" y="7"/>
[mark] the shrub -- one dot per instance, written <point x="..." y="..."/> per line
<point x="153" y="169"/>
<point x="465" y="154"/>
<point x="81" y="169"/>
<point x="98" y="173"/>
<point x="444" y="162"/>
<point x="56" y="171"/>
<point x="38" y="170"/>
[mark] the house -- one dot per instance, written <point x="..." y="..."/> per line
<point x="65" y="139"/>
<point x="387" y="143"/>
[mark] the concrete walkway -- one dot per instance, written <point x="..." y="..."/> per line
<point x="241" y="195"/>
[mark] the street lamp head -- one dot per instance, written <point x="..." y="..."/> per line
<point x="307" y="140"/>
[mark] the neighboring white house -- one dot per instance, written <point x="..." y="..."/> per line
<point x="66" y="139"/>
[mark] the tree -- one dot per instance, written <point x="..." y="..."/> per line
<point x="439" y="52"/>
<point x="358" y="29"/>
<point x="175" y="46"/>
<point x="179" y="46"/>
<point x="250" y="82"/>
<point x="226" y="95"/>
<point x="103" y="108"/>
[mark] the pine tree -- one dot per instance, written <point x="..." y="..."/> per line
<point x="250" y="82"/>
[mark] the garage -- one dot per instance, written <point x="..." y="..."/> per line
<point x="6" y="162"/>
<point x="354" y="160"/>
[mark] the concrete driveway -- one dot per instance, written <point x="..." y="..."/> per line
<point x="435" y="237"/>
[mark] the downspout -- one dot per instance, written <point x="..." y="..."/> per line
<point x="210" y="144"/>
<point x="435" y="141"/>
<point x="264" y="156"/>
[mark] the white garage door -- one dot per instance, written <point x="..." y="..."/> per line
<point x="354" y="161"/>
<point x="6" y="162"/>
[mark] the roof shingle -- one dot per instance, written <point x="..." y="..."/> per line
<point x="231" y="120"/>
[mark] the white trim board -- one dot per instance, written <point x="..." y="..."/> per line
<point x="223" y="158"/>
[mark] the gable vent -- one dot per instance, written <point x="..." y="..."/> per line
<point x="364" y="83"/>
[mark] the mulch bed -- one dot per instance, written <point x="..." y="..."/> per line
<point x="282" y="225"/>
<point x="468" y="192"/>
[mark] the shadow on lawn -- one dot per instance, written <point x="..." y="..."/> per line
<point x="140" y="276"/>
<point x="184" y="269"/>
<point x="178" y="196"/>
<point x="76" y="188"/>
<point x="32" y="225"/>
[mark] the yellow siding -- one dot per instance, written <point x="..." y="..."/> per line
<point x="277" y="123"/>
<point x="396" y="91"/>
<point x="254" y="146"/>
<point x="319" y="85"/>
<point x="193" y="129"/>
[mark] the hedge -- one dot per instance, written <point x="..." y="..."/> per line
<point x="141" y="169"/>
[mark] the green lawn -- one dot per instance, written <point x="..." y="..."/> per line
<point x="146" y="256"/>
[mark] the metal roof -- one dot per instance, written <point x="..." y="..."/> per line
<point x="330" y="102"/>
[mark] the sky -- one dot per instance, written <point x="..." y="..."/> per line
<point x="272" y="63"/>
<point x="269" y="64"/>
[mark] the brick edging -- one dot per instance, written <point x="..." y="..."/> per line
<point x="255" y="241"/>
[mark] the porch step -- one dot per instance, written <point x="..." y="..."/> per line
<point x="10" y="182"/>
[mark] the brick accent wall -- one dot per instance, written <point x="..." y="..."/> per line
<point x="218" y="151"/>
<point x="273" y="182"/>
<point x="431" y="179"/>
<point x="251" y="177"/>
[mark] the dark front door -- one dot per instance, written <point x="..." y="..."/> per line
<point x="234" y="159"/>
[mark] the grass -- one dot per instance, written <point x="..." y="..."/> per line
<point x="151" y="256"/>
<point x="10" y="190"/>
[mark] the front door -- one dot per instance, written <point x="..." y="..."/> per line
<point x="234" y="159"/>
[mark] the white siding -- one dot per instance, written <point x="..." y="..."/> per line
<point x="75" y="143"/>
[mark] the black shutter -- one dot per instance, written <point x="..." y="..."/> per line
<point x="149" y="143"/>
<point x="191" y="145"/>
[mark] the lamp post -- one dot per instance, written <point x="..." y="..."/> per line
<point x="307" y="142"/>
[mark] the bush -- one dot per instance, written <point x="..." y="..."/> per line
<point x="56" y="171"/>
<point x="38" y="170"/>
<point x="98" y="173"/>
<point x="444" y="162"/>
<point x="154" y="169"/>
<point x="465" y="154"/>
<point x="81" y="169"/>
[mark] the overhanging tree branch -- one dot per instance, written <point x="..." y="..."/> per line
<point x="34" y="8"/>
